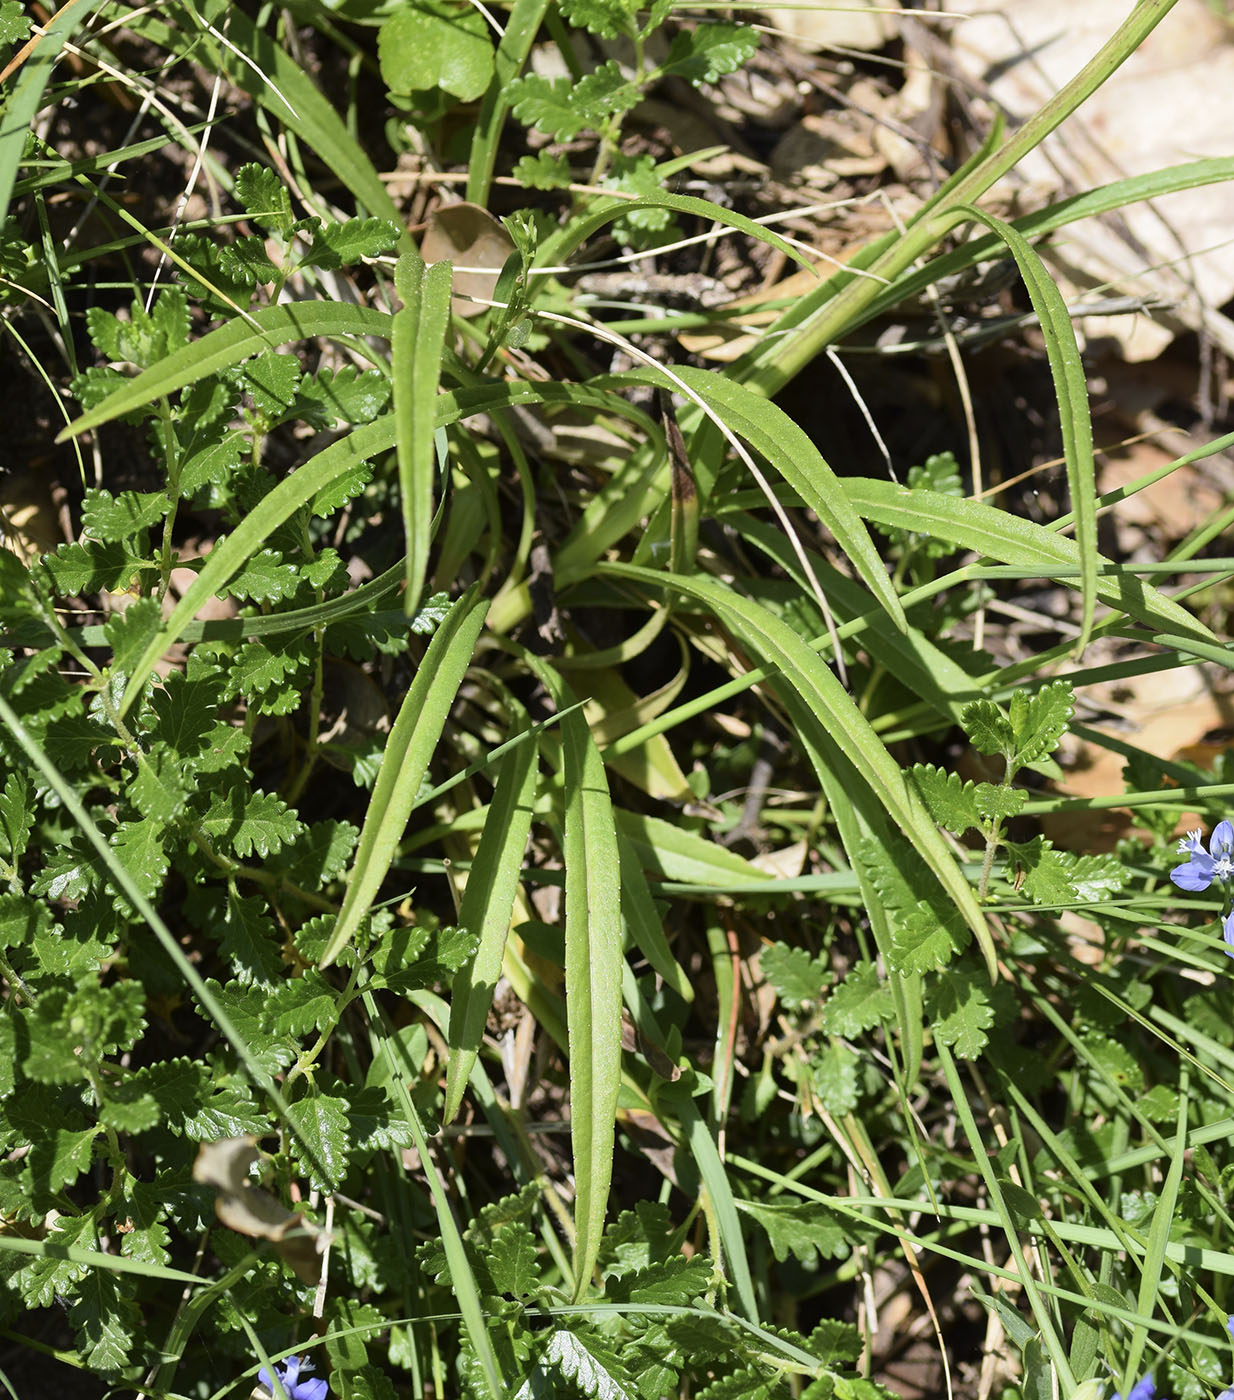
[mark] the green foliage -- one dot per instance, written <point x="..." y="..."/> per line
<point x="1027" y="730"/>
<point x="255" y="831"/>
<point x="561" y="108"/>
<point x="436" y="44"/>
<point x="544" y="171"/>
<point x="709" y="52"/>
<point x="14" y="22"/>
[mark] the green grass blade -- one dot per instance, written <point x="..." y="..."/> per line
<point x="643" y="922"/>
<point x="21" y="103"/>
<point x="723" y="1208"/>
<point x="1159" y="1233"/>
<point x="462" y="1276"/>
<point x="557" y="247"/>
<point x="522" y="26"/>
<point x="1012" y="540"/>
<point x="1071" y="391"/>
<point x="413" y="738"/>
<point x="789" y="450"/>
<point x="675" y="853"/>
<point x="417" y="344"/>
<point x="274" y="79"/>
<point x="778" y="357"/>
<point x="593" y="985"/>
<point x="227" y="346"/>
<point x="979" y="1147"/>
<point x="300" y="487"/>
<point x="226" y="558"/>
<point x="488" y="902"/>
<point x="833" y="708"/>
<point x="1089" y="204"/>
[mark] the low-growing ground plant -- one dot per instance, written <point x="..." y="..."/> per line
<point x="517" y="874"/>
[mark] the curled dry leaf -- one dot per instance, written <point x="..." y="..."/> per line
<point x="250" y="1211"/>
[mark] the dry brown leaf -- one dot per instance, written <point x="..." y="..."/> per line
<point x="248" y="1210"/>
<point x="471" y="239"/>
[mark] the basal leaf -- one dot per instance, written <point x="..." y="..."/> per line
<point x="340" y="245"/>
<point x="947" y="797"/>
<point x="798" y="978"/>
<point x="265" y="198"/>
<point x="804" y="1229"/>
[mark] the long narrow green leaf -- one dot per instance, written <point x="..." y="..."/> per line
<point x="413" y="738"/>
<point x="833" y="708"/>
<point x="488" y="902"/>
<point x="269" y="74"/>
<point x="728" y="1224"/>
<point x="789" y="450"/>
<point x="593" y="974"/>
<point x="1071" y="390"/>
<point x="462" y="1276"/>
<point x="522" y="26"/>
<point x="1089" y="204"/>
<point x="778" y="357"/>
<point x="227" y="346"/>
<point x="593" y="985"/>
<point x="1159" y="1231"/>
<point x="979" y="1147"/>
<point x="21" y="103"/>
<point x="1012" y="540"/>
<point x="229" y="555"/>
<point x="643" y="922"/>
<point x="417" y="344"/>
<point x="557" y="247"/>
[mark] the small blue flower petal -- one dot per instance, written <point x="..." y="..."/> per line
<point x="1197" y="874"/>
<point x="1205" y="866"/>
<point x="1228" y="934"/>
<point x="288" y="1373"/>
<point x="1141" y="1390"/>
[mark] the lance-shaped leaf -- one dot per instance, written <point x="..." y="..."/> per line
<point x="593" y="974"/>
<point x="417" y="345"/>
<point x="229" y="345"/>
<point x="487" y="904"/>
<point x="831" y="705"/>
<point x="789" y="450"/>
<point x="416" y="732"/>
<point x="1071" y="389"/>
<point x="1020" y="543"/>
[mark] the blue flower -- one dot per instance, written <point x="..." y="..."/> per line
<point x="1145" y="1389"/>
<point x="1217" y="863"/>
<point x="288" y="1373"/>
<point x="1228" y="935"/>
